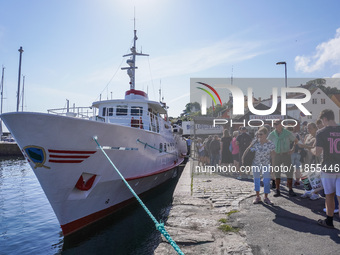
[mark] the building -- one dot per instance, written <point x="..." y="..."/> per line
<point x="318" y="102"/>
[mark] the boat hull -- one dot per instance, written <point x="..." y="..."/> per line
<point x="78" y="180"/>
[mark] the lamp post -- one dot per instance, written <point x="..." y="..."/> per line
<point x="284" y="63"/>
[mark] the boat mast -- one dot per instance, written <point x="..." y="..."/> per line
<point x="2" y="97"/>
<point x="23" y="91"/>
<point x="19" y="76"/>
<point x="132" y="61"/>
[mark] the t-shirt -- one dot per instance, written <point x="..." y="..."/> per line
<point x="262" y="152"/>
<point x="215" y="146"/>
<point x="329" y="139"/>
<point x="236" y="148"/>
<point x="282" y="141"/>
<point x="244" y="141"/>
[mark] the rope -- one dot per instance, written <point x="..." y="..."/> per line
<point x="159" y="226"/>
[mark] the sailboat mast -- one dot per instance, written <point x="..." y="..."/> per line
<point x="19" y="76"/>
<point x="2" y="97"/>
<point x="23" y="91"/>
<point x="2" y="87"/>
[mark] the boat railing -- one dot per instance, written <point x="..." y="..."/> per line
<point x="136" y="119"/>
<point x="77" y="112"/>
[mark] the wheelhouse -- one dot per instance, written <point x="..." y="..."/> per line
<point x="134" y="111"/>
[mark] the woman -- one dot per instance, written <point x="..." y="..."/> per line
<point x="235" y="152"/>
<point x="264" y="150"/>
<point x="309" y="143"/>
<point x="200" y="151"/>
<point x="227" y="157"/>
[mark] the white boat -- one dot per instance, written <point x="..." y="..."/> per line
<point x="79" y="182"/>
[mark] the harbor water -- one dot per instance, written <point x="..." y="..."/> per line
<point x="28" y="224"/>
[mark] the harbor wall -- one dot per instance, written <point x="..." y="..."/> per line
<point x="10" y="150"/>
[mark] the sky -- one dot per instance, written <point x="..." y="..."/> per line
<point x="73" y="48"/>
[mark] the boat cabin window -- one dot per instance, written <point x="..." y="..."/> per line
<point x="104" y="111"/>
<point x="121" y="110"/>
<point x="136" y="110"/>
<point x="110" y="112"/>
<point x="160" y="147"/>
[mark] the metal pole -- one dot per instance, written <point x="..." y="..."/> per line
<point x="23" y="91"/>
<point x="284" y="63"/>
<point x="2" y="87"/>
<point x="2" y="97"/>
<point x="19" y="76"/>
<point x="286" y="86"/>
<point x="286" y="74"/>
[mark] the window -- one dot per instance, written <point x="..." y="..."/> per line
<point x="310" y="116"/>
<point x="315" y="101"/>
<point x="104" y="111"/>
<point x="136" y="110"/>
<point x="323" y="101"/>
<point x="160" y="147"/>
<point x="110" y="112"/>
<point x="121" y="110"/>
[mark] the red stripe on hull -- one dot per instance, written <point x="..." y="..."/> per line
<point x="66" y="156"/>
<point x="71" y="152"/>
<point x="64" y="161"/>
<point x="76" y="225"/>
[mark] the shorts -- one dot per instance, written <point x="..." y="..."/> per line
<point x="236" y="157"/>
<point x="331" y="183"/>
<point x="283" y="159"/>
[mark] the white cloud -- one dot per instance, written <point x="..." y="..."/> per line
<point x="198" y="59"/>
<point x="326" y="52"/>
<point x="336" y="75"/>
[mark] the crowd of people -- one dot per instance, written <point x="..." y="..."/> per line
<point x="314" y="145"/>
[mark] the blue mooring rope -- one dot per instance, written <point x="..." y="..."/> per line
<point x="159" y="226"/>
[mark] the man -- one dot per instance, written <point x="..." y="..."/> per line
<point x="215" y="146"/>
<point x="328" y="143"/>
<point x="282" y="139"/>
<point x="188" y="140"/>
<point x="319" y="124"/>
<point x="243" y="141"/>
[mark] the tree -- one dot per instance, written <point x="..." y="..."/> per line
<point x="192" y="107"/>
<point x="321" y="83"/>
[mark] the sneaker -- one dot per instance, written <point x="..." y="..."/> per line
<point x="314" y="196"/>
<point x="267" y="201"/>
<point x="291" y="193"/>
<point x="296" y="183"/>
<point x="257" y="200"/>
<point x="306" y="194"/>
<point x="278" y="193"/>
<point x="239" y="177"/>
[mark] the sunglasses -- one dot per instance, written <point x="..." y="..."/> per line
<point x="260" y="134"/>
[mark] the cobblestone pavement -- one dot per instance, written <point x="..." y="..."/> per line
<point x="203" y="220"/>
